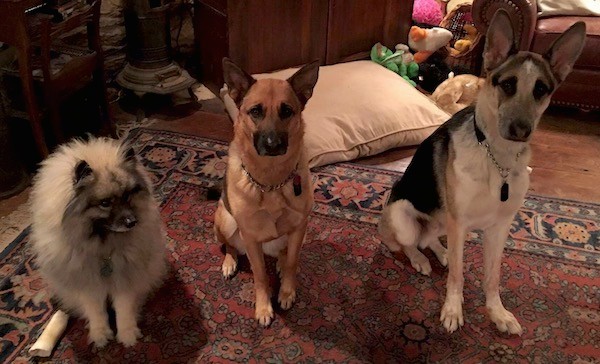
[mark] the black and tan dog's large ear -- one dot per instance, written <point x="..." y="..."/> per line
<point x="565" y="50"/>
<point x="304" y="80"/>
<point x="499" y="42"/>
<point x="237" y="80"/>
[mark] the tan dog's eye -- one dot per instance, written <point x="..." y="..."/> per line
<point x="285" y="111"/>
<point x="256" y="112"/>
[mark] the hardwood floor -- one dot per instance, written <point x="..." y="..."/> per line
<point x="566" y="151"/>
<point x="566" y="155"/>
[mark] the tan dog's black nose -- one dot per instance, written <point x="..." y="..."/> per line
<point x="270" y="143"/>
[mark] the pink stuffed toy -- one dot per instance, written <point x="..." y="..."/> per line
<point x="427" y="12"/>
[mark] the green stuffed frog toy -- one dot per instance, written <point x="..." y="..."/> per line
<point x="401" y="61"/>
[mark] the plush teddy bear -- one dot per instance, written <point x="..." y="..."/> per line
<point x="464" y="44"/>
<point x="399" y="61"/>
<point x="457" y="92"/>
<point x="426" y="41"/>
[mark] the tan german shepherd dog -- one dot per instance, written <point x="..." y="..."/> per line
<point x="472" y="172"/>
<point x="267" y="193"/>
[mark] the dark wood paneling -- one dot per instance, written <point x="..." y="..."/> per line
<point x="267" y="35"/>
<point x="356" y="25"/>
<point x="211" y="39"/>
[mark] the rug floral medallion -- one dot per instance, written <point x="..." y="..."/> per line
<point x="356" y="301"/>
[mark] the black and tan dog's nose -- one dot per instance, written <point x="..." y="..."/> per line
<point x="270" y="143"/>
<point x="519" y="130"/>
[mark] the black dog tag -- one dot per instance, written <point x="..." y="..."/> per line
<point x="504" y="192"/>
<point x="297" y="185"/>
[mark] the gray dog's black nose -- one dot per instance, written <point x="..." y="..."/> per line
<point x="130" y="222"/>
<point x="519" y="130"/>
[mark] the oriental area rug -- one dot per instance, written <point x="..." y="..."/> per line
<point x="356" y="302"/>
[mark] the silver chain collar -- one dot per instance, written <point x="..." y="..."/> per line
<point x="504" y="172"/>
<point x="267" y="188"/>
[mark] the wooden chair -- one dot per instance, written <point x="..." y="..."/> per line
<point x="40" y="39"/>
<point x="14" y="31"/>
<point x="85" y="63"/>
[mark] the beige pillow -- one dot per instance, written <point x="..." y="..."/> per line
<point x="359" y="109"/>
<point x="568" y="7"/>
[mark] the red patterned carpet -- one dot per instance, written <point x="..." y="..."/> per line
<point x="356" y="302"/>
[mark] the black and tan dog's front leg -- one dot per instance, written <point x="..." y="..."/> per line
<point x="263" y="309"/>
<point x="288" y="264"/>
<point x="452" y="314"/>
<point x="493" y="246"/>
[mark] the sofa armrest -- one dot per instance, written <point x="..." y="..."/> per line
<point x="522" y="13"/>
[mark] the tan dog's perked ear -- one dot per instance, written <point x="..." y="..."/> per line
<point x="565" y="50"/>
<point x="237" y="80"/>
<point x="304" y="80"/>
<point x="500" y="40"/>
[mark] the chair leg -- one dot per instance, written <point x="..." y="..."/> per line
<point x="53" y="104"/>
<point x="108" y="126"/>
<point x="35" y="117"/>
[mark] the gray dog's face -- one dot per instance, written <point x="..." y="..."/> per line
<point x="110" y="200"/>
<point x="520" y="84"/>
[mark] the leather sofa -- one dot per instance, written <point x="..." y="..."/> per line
<point x="581" y="89"/>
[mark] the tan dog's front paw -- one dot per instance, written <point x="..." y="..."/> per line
<point x="128" y="337"/>
<point x="452" y="315"/>
<point x="100" y="335"/>
<point x="264" y="314"/>
<point x="286" y="298"/>
<point x="229" y="266"/>
<point x="421" y="264"/>
<point x="505" y="320"/>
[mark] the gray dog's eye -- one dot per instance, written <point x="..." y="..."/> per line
<point x="105" y="203"/>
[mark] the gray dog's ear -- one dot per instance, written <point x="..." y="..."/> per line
<point x="237" y="80"/>
<point x="499" y="42"/>
<point x="130" y="155"/>
<point x="82" y="170"/>
<point x="304" y="80"/>
<point x="565" y="50"/>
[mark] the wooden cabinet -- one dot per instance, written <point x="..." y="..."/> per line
<point x="266" y="35"/>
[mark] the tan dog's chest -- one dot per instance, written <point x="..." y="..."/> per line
<point x="267" y="216"/>
<point x="276" y="216"/>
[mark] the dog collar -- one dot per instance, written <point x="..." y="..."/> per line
<point x="478" y="133"/>
<point x="269" y="188"/>
<point x="504" y="172"/>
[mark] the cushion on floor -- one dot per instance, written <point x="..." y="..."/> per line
<point x="359" y="109"/>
